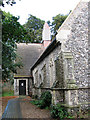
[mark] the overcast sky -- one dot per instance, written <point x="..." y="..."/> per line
<point x="43" y="9"/>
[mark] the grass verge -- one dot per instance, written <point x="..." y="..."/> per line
<point x="7" y="93"/>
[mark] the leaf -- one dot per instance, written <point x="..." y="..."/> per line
<point x="12" y="33"/>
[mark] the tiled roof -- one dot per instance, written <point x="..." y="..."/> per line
<point x="29" y="53"/>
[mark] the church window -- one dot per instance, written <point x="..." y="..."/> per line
<point x="36" y="78"/>
<point x="51" y="72"/>
<point x="44" y="74"/>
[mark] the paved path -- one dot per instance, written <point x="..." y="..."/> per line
<point x="12" y="109"/>
<point x="21" y="109"/>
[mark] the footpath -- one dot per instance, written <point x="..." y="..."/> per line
<point x="21" y="109"/>
<point x="12" y="109"/>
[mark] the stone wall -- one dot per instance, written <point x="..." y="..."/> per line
<point x="73" y="35"/>
<point x="55" y="74"/>
<point x="46" y="70"/>
<point x="64" y="71"/>
<point x="16" y="86"/>
<point x="77" y="42"/>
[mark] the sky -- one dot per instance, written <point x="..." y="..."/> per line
<point x="43" y="9"/>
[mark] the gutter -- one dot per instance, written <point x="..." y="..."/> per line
<point x="47" y="51"/>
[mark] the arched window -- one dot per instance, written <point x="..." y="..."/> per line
<point x="36" y="79"/>
<point x="44" y="79"/>
<point x="51" y="72"/>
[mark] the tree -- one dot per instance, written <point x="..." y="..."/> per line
<point x="9" y="2"/>
<point x="12" y="33"/>
<point x="49" y="23"/>
<point x="34" y="27"/>
<point x="57" y="22"/>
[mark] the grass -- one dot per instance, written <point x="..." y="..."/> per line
<point x="7" y="93"/>
<point x="35" y="102"/>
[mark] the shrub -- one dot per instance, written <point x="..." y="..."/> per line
<point x="45" y="100"/>
<point x="35" y="102"/>
<point x="36" y="96"/>
<point x="57" y="111"/>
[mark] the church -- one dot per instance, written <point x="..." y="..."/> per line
<point x="60" y="65"/>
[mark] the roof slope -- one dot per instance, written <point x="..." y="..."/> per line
<point x="77" y="17"/>
<point x="71" y="17"/>
<point x="29" y="53"/>
<point x="46" y="52"/>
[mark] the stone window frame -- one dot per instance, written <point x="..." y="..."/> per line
<point x="44" y="78"/>
<point x="36" y="79"/>
<point x="51" y="69"/>
<point x="40" y="80"/>
<point x="56" y="81"/>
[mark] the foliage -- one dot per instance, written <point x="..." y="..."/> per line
<point x="57" y="22"/>
<point x="35" y="102"/>
<point x="7" y="93"/>
<point x="49" y="23"/>
<point x="8" y="2"/>
<point x="45" y="100"/>
<point x="57" y="111"/>
<point x="35" y="97"/>
<point x="34" y="27"/>
<point x="12" y="33"/>
<point x="70" y="117"/>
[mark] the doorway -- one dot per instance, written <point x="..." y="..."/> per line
<point x="22" y="87"/>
